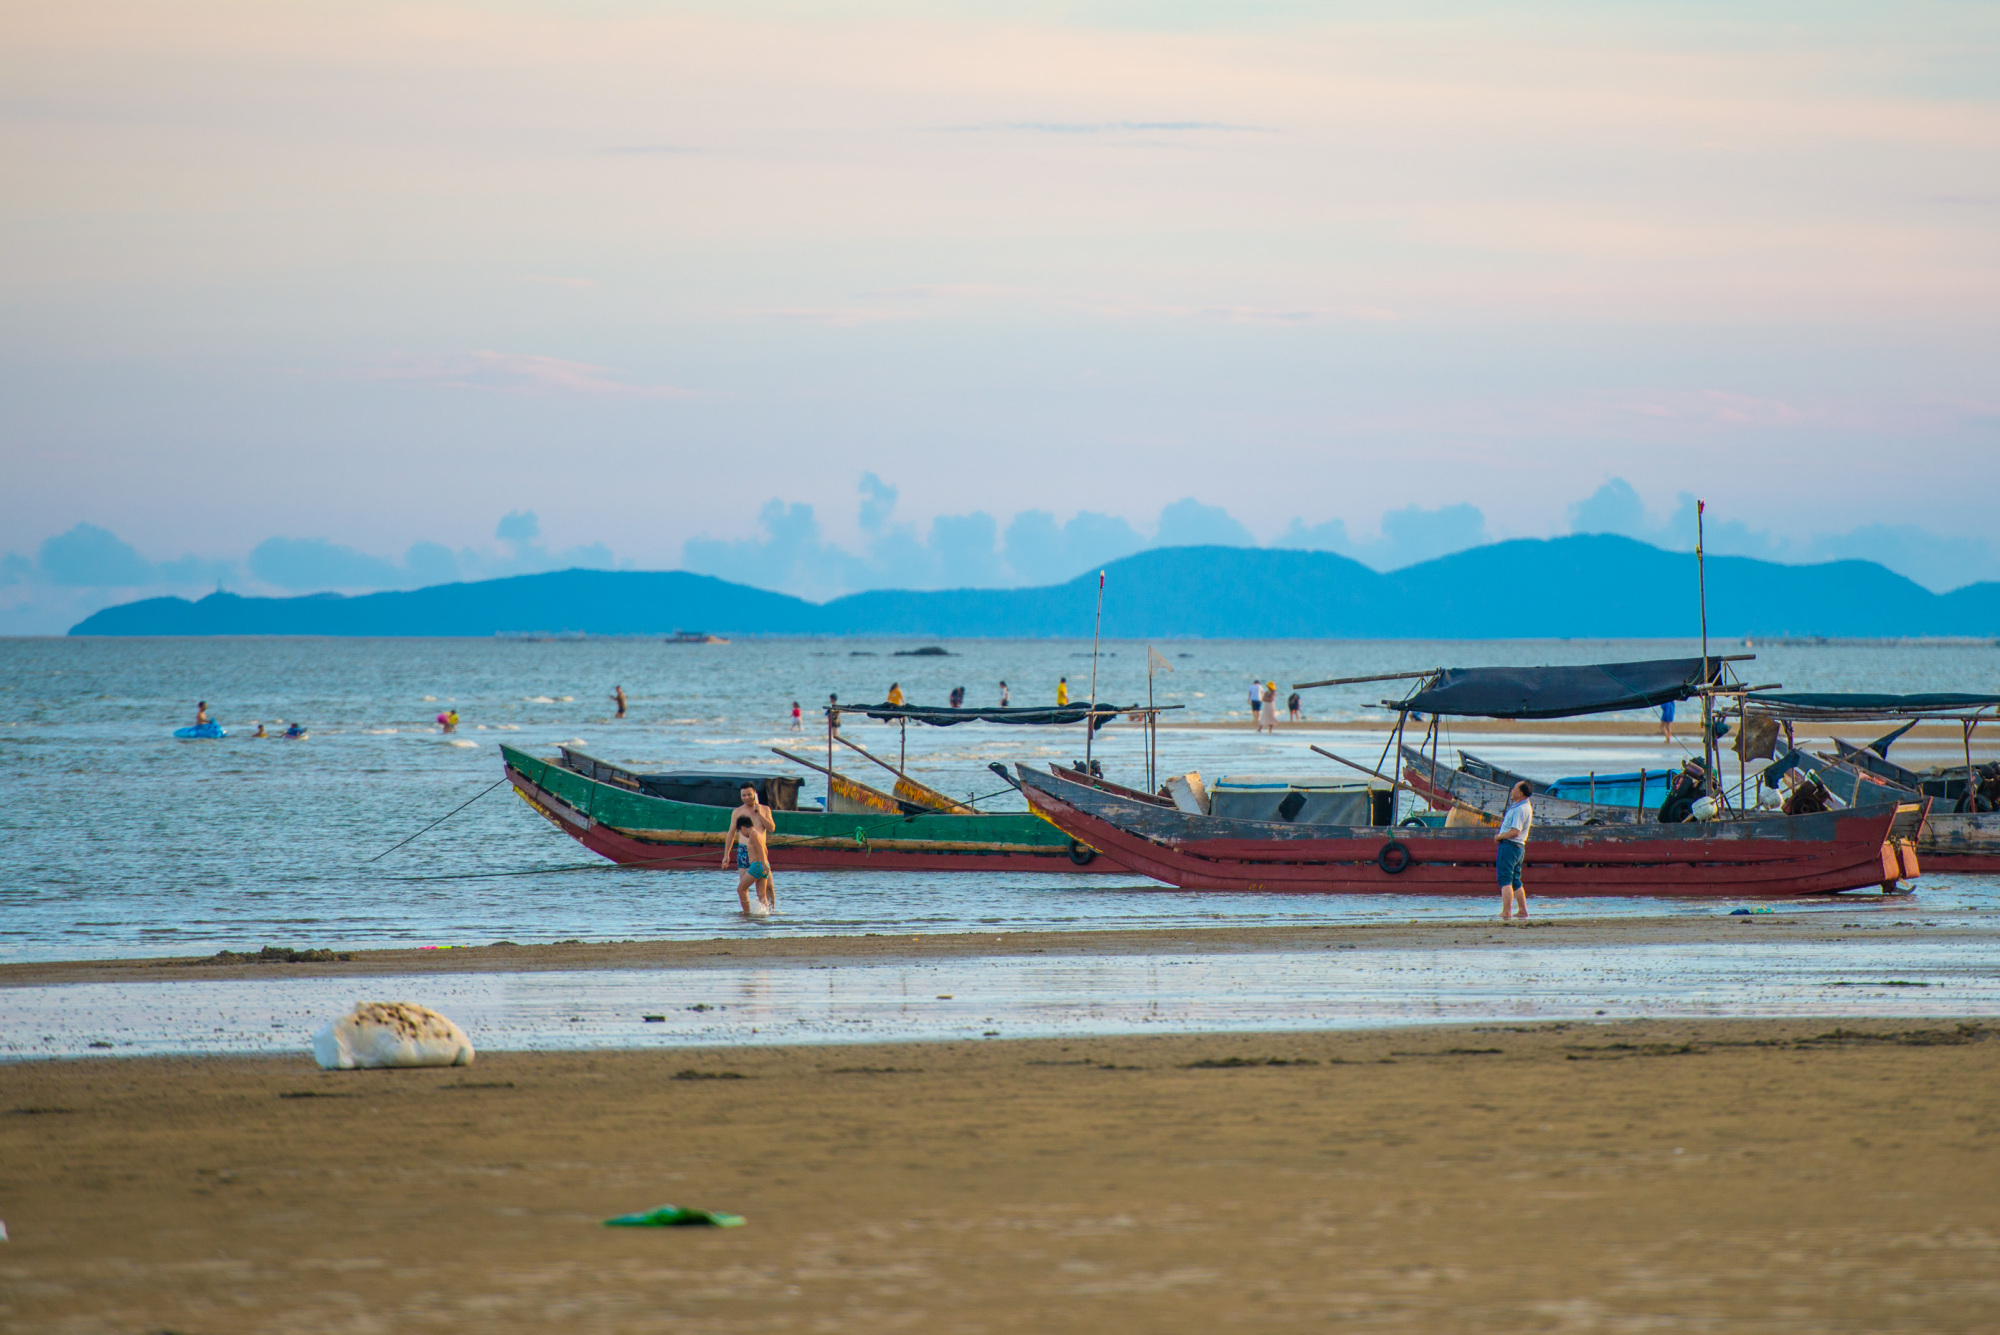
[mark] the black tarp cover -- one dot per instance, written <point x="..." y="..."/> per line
<point x="941" y="716"/>
<point x="1559" y="692"/>
<point x="1867" y="705"/>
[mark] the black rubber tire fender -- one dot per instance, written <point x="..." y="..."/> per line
<point x="1394" y="858"/>
<point x="1081" y="854"/>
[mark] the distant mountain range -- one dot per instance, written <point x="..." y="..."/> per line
<point x="1587" y="586"/>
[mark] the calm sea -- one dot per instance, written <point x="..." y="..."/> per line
<point x="118" y="840"/>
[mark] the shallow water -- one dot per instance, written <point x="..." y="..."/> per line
<point x="1022" y="998"/>
<point x="118" y="840"/>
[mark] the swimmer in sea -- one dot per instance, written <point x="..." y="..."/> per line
<point x="747" y="851"/>
<point x="201" y="714"/>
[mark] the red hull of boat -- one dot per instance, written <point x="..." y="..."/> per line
<point x="1828" y="854"/>
<point x="667" y="855"/>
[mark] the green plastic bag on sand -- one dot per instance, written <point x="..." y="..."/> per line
<point x="675" y="1216"/>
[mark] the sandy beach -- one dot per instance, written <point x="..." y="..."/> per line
<point x="1722" y="1175"/>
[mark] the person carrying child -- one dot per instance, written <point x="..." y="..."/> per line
<point x="751" y="856"/>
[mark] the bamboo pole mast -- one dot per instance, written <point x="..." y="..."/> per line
<point x="1151" y="719"/>
<point x="1707" y="700"/>
<point x="1090" y="720"/>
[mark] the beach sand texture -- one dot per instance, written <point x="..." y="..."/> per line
<point x="1656" y="1176"/>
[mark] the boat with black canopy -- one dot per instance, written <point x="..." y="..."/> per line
<point x="1819" y="853"/>
<point x="1962" y="831"/>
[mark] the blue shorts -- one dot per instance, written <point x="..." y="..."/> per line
<point x="1507" y="864"/>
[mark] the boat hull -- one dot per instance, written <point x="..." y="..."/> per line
<point x="1961" y="841"/>
<point x="639" y="830"/>
<point x="1790" y="855"/>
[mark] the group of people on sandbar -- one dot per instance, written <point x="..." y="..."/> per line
<point x="1263" y="702"/>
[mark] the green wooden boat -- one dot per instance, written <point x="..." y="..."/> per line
<point x="611" y="811"/>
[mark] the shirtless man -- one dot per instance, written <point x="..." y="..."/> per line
<point x="747" y="851"/>
<point x="618" y="698"/>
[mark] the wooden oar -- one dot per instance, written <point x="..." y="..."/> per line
<point x="1351" y="765"/>
<point x="861" y="792"/>
<point x="908" y="788"/>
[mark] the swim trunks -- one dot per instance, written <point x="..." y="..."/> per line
<point x="758" y="871"/>
<point x="742" y="857"/>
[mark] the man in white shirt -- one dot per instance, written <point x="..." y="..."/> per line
<point x="1512" y="851"/>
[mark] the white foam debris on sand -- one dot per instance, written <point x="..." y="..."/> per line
<point x="391" y="1033"/>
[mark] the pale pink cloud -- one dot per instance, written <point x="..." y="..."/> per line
<point x="516" y="372"/>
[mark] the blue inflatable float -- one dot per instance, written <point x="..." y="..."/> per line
<point x="201" y="731"/>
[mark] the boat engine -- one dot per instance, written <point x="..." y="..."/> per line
<point x="1683" y="793"/>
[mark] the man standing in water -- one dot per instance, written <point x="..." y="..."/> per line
<point x="748" y="825"/>
<point x="1003" y="695"/>
<point x="618" y="698"/>
<point x="1062" y="690"/>
<point x="753" y="869"/>
<point x="1512" y="844"/>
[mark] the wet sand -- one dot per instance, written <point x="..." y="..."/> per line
<point x="1871" y="917"/>
<point x="1660" y="1176"/>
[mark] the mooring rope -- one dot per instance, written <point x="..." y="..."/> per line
<point x="434" y="824"/>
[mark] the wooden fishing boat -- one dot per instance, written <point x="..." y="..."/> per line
<point x="610" y="811"/>
<point x="1949" y="841"/>
<point x="1777" y="855"/>
<point x="1486" y="789"/>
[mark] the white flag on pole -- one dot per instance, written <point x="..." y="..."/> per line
<point x="1157" y="661"/>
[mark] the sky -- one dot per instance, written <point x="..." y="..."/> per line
<point x="832" y="296"/>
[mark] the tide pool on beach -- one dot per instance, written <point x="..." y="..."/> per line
<point x="1505" y="975"/>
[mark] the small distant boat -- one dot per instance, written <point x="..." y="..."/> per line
<point x="201" y="732"/>
<point x="694" y="637"/>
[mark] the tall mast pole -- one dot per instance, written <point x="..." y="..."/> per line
<point x="1151" y="718"/>
<point x="1707" y="700"/>
<point x="1090" y="721"/>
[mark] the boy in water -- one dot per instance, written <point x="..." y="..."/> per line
<point x="752" y="860"/>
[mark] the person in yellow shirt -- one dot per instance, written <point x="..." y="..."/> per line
<point x="895" y="693"/>
<point x="1062" y="690"/>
